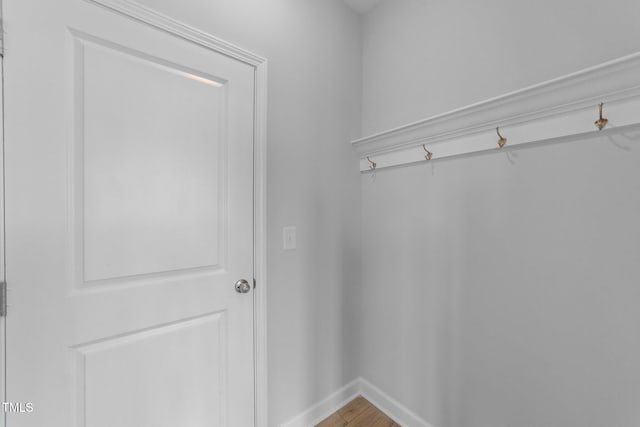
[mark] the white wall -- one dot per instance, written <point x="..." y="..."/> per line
<point x="422" y="58"/>
<point x="500" y="292"/>
<point x="313" y="48"/>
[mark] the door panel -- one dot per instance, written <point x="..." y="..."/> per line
<point x="134" y="380"/>
<point x="129" y="217"/>
<point x="162" y="166"/>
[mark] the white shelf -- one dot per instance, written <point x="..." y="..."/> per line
<point x="553" y="110"/>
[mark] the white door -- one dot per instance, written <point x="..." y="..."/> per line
<point x="129" y="219"/>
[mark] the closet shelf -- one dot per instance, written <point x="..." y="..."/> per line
<point x="553" y="110"/>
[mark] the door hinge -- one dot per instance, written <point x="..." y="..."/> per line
<point x="254" y="283"/>
<point x="3" y="299"/>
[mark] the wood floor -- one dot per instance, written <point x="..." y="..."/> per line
<point x="358" y="413"/>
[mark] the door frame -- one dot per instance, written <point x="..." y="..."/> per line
<point x="134" y="10"/>
<point x="3" y="277"/>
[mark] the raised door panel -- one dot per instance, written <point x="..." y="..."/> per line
<point x="150" y="145"/>
<point x="172" y="375"/>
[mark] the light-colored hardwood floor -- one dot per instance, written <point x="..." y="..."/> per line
<point x="358" y="413"/>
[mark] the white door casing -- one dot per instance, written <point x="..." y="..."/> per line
<point x="130" y="215"/>
<point x="2" y="239"/>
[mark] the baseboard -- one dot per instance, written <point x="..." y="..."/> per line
<point x="394" y="409"/>
<point x="327" y="406"/>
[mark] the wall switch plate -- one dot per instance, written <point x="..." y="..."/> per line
<point x="289" y="238"/>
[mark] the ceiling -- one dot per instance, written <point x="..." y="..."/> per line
<point x="362" y="6"/>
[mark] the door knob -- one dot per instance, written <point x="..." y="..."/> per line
<point x="242" y="286"/>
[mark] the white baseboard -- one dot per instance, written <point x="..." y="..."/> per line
<point x="358" y="387"/>
<point x="326" y="406"/>
<point x="394" y="409"/>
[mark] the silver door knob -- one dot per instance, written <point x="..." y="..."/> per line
<point x="242" y="286"/>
